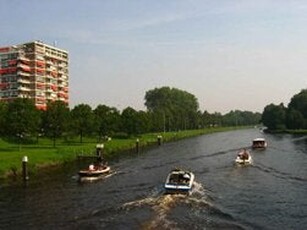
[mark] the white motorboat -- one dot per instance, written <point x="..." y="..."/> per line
<point x="179" y="181"/>
<point x="94" y="172"/>
<point x="259" y="143"/>
<point x="243" y="157"/>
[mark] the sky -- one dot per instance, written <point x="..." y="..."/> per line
<point x="230" y="54"/>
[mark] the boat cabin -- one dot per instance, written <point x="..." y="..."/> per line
<point x="259" y="143"/>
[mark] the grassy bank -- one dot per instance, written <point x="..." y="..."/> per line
<point x="43" y="154"/>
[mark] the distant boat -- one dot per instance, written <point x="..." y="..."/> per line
<point x="94" y="172"/>
<point x="179" y="181"/>
<point x="259" y="143"/>
<point x="243" y="157"/>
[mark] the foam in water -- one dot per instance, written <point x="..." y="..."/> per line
<point x="162" y="204"/>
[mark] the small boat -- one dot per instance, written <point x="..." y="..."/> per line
<point x="259" y="143"/>
<point x="179" y="181"/>
<point x="94" y="172"/>
<point x="243" y="157"/>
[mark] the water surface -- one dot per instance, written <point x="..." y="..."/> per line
<point x="270" y="194"/>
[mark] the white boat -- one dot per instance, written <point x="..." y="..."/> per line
<point x="259" y="143"/>
<point x="243" y="157"/>
<point x="179" y="181"/>
<point x="94" y="172"/>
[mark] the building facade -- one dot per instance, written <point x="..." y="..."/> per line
<point x="34" y="70"/>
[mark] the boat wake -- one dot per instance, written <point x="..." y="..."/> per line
<point x="162" y="205"/>
<point x="279" y="174"/>
<point x="215" y="154"/>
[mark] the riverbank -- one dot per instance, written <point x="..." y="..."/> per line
<point x="288" y="131"/>
<point x="43" y="155"/>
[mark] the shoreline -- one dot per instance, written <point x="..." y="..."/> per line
<point x="43" y="158"/>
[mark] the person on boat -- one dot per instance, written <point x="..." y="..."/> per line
<point x="244" y="154"/>
<point x="186" y="178"/>
<point x="101" y="163"/>
<point x="91" y="167"/>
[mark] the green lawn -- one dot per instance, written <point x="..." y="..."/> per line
<point x="43" y="153"/>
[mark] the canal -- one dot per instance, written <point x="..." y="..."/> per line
<point x="270" y="194"/>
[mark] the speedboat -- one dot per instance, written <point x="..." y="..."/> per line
<point x="179" y="181"/>
<point x="243" y="157"/>
<point x="94" y="172"/>
<point x="259" y="143"/>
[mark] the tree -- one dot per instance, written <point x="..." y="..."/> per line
<point x="143" y="122"/>
<point x="107" y="120"/>
<point x="129" y="121"/>
<point x="172" y="107"/>
<point x="82" y="120"/>
<point x="298" y="108"/>
<point x="22" y="118"/>
<point x="3" y="112"/>
<point x="237" y="117"/>
<point x="274" y="117"/>
<point x="216" y="119"/>
<point x="294" y="119"/>
<point x="55" y="119"/>
<point x="299" y="103"/>
<point x="206" y="119"/>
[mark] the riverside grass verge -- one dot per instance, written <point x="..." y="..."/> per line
<point x="43" y="155"/>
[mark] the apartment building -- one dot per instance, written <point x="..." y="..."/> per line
<point x="34" y="70"/>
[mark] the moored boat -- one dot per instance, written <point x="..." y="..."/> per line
<point x="243" y="157"/>
<point x="179" y="181"/>
<point x="259" y="143"/>
<point x="94" y="172"/>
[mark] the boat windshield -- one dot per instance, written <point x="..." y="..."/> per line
<point x="179" y="178"/>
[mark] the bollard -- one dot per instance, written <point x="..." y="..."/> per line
<point x="137" y="146"/>
<point x="99" y="150"/>
<point x="99" y="153"/>
<point x="25" y="168"/>
<point x="159" y="139"/>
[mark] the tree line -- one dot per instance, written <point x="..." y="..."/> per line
<point x="279" y="117"/>
<point x="168" y="109"/>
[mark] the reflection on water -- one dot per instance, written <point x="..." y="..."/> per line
<point x="270" y="194"/>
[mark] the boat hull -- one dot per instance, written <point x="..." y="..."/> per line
<point x="90" y="175"/>
<point x="259" y="143"/>
<point x="179" y="186"/>
<point x="243" y="161"/>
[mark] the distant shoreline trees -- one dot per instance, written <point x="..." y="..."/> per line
<point x="293" y="117"/>
<point x="168" y="109"/>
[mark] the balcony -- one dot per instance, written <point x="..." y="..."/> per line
<point x="23" y="88"/>
<point x="21" y="73"/>
<point x="23" y="81"/>
<point x="23" y="58"/>
<point x="40" y="57"/>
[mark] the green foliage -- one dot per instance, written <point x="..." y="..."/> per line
<point x="55" y="119"/>
<point x="22" y="118"/>
<point x="241" y="118"/>
<point x="168" y="109"/>
<point x="173" y="108"/>
<point x="299" y="103"/>
<point x="107" y="120"/>
<point x="82" y="120"/>
<point x="298" y="111"/>
<point x="294" y="119"/>
<point x="278" y="118"/>
<point x="129" y="121"/>
<point x="3" y="112"/>
<point x="274" y="117"/>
